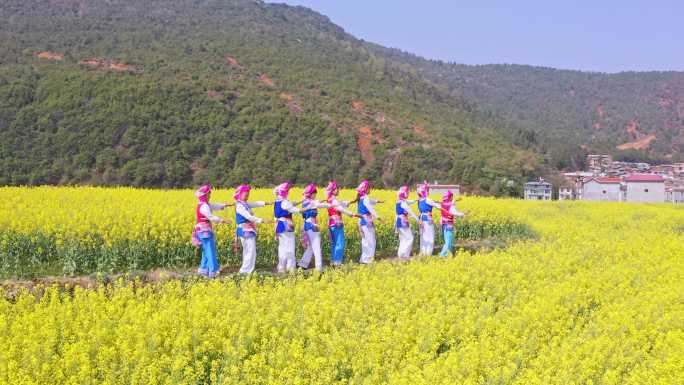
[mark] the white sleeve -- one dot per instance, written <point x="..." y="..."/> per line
<point x="205" y="210"/>
<point x="432" y="203"/>
<point x="369" y="205"/>
<point x="318" y="205"/>
<point x="341" y="207"/>
<point x="454" y="212"/>
<point x="256" y="204"/>
<point x="405" y="206"/>
<point x="217" y="206"/>
<point x="287" y="205"/>
<point x="240" y="209"/>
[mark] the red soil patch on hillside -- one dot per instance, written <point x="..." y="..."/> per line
<point x="365" y="143"/>
<point x="418" y="129"/>
<point x="600" y="111"/>
<point x="638" y="144"/>
<point x="214" y="95"/>
<point x="48" y="55"/>
<point x="265" y="80"/>
<point x="291" y="102"/>
<point x="120" y="67"/>
<point x="294" y="107"/>
<point x="233" y="62"/>
<point x="286" y="96"/>
<point x="108" y="65"/>
<point x="357" y="105"/>
<point x="633" y="128"/>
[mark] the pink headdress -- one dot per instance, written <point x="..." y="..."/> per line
<point x="448" y="196"/>
<point x="282" y="190"/>
<point x="403" y="192"/>
<point x="363" y="188"/>
<point x="423" y="190"/>
<point x="332" y="186"/>
<point x="202" y="192"/>
<point x="240" y="192"/>
<point x="310" y="190"/>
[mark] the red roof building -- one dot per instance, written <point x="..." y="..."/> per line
<point x="644" y="178"/>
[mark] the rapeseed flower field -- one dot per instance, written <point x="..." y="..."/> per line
<point x="81" y="230"/>
<point x="595" y="298"/>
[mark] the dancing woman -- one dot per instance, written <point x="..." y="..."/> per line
<point x="335" y="225"/>
<point x="203" y="233"/>
<point x="427" y="227"/>
<point x="311" y="234"/>
<point x="402" y="225"/>
<point x="282" y="211"/>
<point x="449" y="212"/>
<point x="246" y="223"/>
<point x="366" y="211"/>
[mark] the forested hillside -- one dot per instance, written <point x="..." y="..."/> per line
<point x="174" y="93"/>
<point x="178" y="92"/>
<point x="632" y="115"/>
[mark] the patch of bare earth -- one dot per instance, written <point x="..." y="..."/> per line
<point x="600" y="111"/>
<point x="633" y="128"/>
<point x="640" y="144"/>
<point x="265" y="80"/>
<point x="418" y="129"/>
<point x="214" y="95"/>
<point x="291" y="102"/>
<point x="233" y="62"/>
<point x="104" y="64"/>
<point x="357" y="106"/>
<point x="365" y="143"/>
<point x="49" y="55"/>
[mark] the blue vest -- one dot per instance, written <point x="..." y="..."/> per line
<point x="401" y="216"/>
<point x="311" y="213"/>
<point x="363" y="211"/>
<point x="239" y="220"/>
<point x="280" y="213"/>
<point x="425" y="210"/>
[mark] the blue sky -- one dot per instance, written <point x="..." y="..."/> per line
<point x="600" y="35"/>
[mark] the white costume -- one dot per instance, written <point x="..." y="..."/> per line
<point x="283" y="210"/>
<point x="368" y="216"/>
<point x="310" y="211"/>
<point x="427" y="226"/>
<point x="246" y="230"/>
<point x="404" y="228"/>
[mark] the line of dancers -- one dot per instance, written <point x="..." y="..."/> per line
<point x="204" y="238"/>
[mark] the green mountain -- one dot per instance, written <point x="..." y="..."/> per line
<point x="178" y="92"/>
<point x="632" y="115"/>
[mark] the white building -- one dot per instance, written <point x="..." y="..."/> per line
<point x="674" y="195"/>
<point x="566" y="193"/>
<point x="645" y="188"/>
<point x="602" y="189"/>
<point x="538" y="191"/>
<point x="440" y="189"/>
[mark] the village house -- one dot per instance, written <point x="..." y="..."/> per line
<point x="603" y="189"/>
<point x="678" y="169"/>
<point x="598" y="163"/>
<point x="566" y="194"/>
<point x="645" y="188"/>
<point x="440" y="189"/>
<point x="539" y="190"/>
<point x="674" y="194"/>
